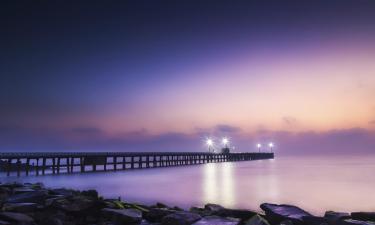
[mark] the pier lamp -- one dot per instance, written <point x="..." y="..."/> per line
<point x="259" y="145"/>
<point x="225" y="142"/>
<point x="209" y="143"/>
<point x="271" y="146"/>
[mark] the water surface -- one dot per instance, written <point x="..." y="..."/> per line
<point x="313" y="183"/>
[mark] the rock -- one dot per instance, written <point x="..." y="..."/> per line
<point x="157" y="214"/>
<point x="22" y="190"/>
<point x="74" y="204"/>
<point x="256" y="220"/>
<point x="33" y="197"/>
<point x="315" y="220"/>
<point x="123" y="216"/>
<point x="201" y="211"/>
<point x="355" y="222"/>
<point x="214" y="207"/>
<point x="2" y="222"/>
<point x="18" y="218"/>
<point x="219" y="210"/>
<point x="90" y="193"/>
<point x="216" y="220"/>
<point x="336" y="217"/>
<point x="181" y="218"/>
<point x="20" y="207"/>
<point x="62" y="192"/>
<point x="277" y="213"/>
<point x="161" y="205"/>
<point x="4" y="193"/>
<point x="365" y="216"/>
<point x="286" y="222"/>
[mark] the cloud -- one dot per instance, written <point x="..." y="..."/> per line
<point x="289" y="120"/>
<point x="224" y="128"/>
<point x="372" y="122"/>
<point x="86" y="130"/>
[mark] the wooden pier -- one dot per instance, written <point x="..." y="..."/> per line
<point x="41" y="163"/>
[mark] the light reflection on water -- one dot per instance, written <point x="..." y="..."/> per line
<point x="314" y="183"/>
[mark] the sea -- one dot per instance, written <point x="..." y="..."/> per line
<point x="314" y="183"/>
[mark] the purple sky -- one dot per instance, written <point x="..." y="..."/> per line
<point x="162" y="76"/>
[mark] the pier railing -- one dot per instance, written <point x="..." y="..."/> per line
<point x="41" y="163"/>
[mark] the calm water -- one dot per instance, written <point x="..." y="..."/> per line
<point x="315" y="184"/>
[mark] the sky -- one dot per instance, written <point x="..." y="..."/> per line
<point x="165" y="75"/>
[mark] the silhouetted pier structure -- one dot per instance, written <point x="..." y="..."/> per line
<point x="39" y="163"/>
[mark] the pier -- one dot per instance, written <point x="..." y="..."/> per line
<point x="41" y="163"/>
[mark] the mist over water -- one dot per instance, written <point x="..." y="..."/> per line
<point x="317" y="184"/>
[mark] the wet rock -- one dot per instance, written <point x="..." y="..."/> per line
<point x="22" y="190"/>
<point x="33" y="197"/>
<point x="181" y="218"/>
<point x="20" y="207"/>
<point x="2" y="222"/>
<point x="365" y="216"/>
<point x="217" y="220"/>
<point x="52" y="221"/>
<point x="201" y="211"/>
<point x="4" y="193"/>
<point x="157" y="214"/>
<point x="286" y="222"/>
<point x="256" y="220"/>
<point x="336" y="217"/>
<point x="90" y="193"/>
<point x="62" y="192"/>
<point x="315" y="220"/>
<point x="74" y="204"/>
<point x="277" y="213"/>
<point x="161" y="205"/>
<point x="18" y="218"/>
<point x="123" y="216"/>
<point x="215" y="208"/>
<point x="355" y="222"/>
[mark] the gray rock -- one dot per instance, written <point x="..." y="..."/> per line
<point x="286" y="222"/>
<point x="219" y="210"/>
<point x="181" y="218"/>
<point x="157" y="214"/>
<point x="214" y="207"/>
<point x="256" y="220"/>
<point x="277" y="213"/>
<point x="18" y="218"/>
<point x="366" y="216"/>
<point x="336" y="217"/>
<point x="355" y="222"/>
<point x="201" y="211"/>
<point x="62" y="192"/>
<point x="123" y="216"/>
<point x="20" y="207"/>
<point x="33" y="197"/>
<point x="217" y="220"/>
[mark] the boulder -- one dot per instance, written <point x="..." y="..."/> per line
<point x="315" y="220"/>
<point x="201" y="211"/>
<point x="20" y="207"/>
<point x="123" y="216"/>
<point x="214" y="208"/>
<point x="286" y="222"/>
<point x="217" y="220"/>
<point x="181" y="218"/>
<point x="365" y="216"/>
<point x="33" y="197"/>
<point x="74" y="204"/>
<point x="62" y="192"/>
<point x="219" y="210"/>
<point x="277" y="213"/>
<point x="18" y="218"/>
<point x="335" y="217"/>
<point x="355" y="222"/>
<point x="256" y="220"/>
<point x="90" y="193"/>
<point x="4" y="193"/>
<point x="157" y="214"/>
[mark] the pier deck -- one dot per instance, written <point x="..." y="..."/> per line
<point x="39" y="163"/>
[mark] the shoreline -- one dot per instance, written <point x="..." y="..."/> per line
<point x="35" y="204"/>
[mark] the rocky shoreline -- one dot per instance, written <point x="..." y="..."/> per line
<point x="34" y="204"/>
